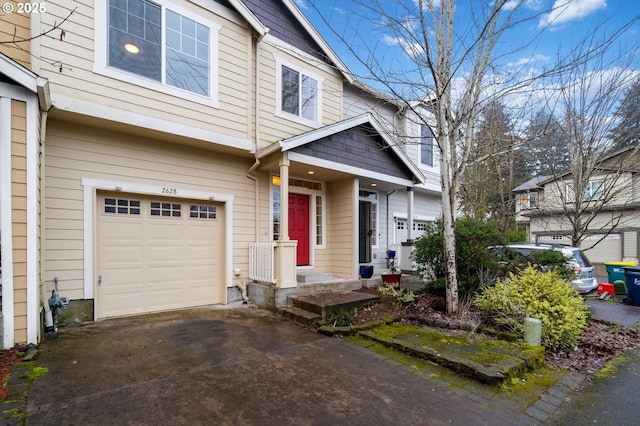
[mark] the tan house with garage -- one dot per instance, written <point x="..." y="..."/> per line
<point x="187" y="147"/>
<point x="610" y="208"/>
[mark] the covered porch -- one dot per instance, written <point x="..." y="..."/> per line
<point x="329" y="211"/>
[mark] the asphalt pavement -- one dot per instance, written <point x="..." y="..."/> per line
<point x="246" y="366"/>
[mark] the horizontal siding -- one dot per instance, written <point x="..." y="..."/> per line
<point x="77" y="152"/>
<point x="75" y="53"/>
<point x="16" y="27"/>
<point x="19" y="217"/>
<point x="340" y="227"/>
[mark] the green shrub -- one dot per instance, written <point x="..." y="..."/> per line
<point x="401" y="295"/>
<point x="472" y="239"/>
<point x="542" y="295"/>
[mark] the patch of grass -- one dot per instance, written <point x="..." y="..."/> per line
<point x="35" y="373"/>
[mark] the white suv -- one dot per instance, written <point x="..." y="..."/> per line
<point x="584" y="280"/>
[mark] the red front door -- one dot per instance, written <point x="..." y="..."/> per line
<point x="299" y="226"/>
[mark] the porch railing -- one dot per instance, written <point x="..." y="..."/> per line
<point x="261" y="262"/>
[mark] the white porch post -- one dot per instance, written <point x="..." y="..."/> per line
<point x="284" y="197"/>
<point x="285" y="249"/>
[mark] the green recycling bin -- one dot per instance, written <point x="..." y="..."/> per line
<point x="633" y="284"/>
<point x="615" y="270"/>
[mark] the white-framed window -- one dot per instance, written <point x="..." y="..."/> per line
<point x="298" y="94"/>
<point x="594" y="190"/>
<point x="529" y="201"/>
<point x="372" y="197"/>
<point x="158" y="45"/>
<point x="426" y="146"/>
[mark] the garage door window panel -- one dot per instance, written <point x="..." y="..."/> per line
<point x="165" y="209"/>
<point x="202" y="212"/>
<point x="122" y="206"/>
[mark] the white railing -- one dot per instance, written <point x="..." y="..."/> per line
<point x="261" y="262"/>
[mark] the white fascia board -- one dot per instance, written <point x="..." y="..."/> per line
<point x="356" y="171"/>
<point x="104" y="112"/>
<point x="327" y="50"/>
<point x="18" y="73"/>
<point x="251" y="19"/>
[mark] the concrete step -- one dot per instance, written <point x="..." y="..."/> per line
<point x="327" y="304"/>
<point x="300" y="316"/>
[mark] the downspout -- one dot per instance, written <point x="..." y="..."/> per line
<point x="44" y="302"/>
<point x="242" y="284"/>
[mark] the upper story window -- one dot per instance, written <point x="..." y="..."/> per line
<point x="529" y="200"/>
<point x="594" y="190"/>
<point x="298" y="94"/>
<point x="426" y="146"/>
<point x="158" y="45"/>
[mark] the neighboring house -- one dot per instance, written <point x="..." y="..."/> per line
<point x="545" y="205"/>
<point x="187" y="147"/>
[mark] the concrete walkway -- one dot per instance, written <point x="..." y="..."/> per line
<point x="233" y="366"/>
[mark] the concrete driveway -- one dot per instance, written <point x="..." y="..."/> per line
<point x="240" y="366"/>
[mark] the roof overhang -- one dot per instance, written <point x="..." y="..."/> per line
<point x="26" y="78"/>
<point x="341" y="126"/>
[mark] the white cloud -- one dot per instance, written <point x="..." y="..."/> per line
<point x="410" y="49"/>
<point x="301" y="4"/>
<point x="565" y="11"/>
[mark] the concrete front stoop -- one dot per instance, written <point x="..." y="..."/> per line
<point x="307" y="309"/>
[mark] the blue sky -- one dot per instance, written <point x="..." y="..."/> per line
<point x="570" y="22"/>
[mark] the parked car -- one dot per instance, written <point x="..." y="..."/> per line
<point x="584" y="280"/>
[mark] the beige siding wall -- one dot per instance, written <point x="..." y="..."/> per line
<point x="75" y="53"/>
<point x="621" y="191"/>
<point x="340" y="254"/>
<point x="76" y="152"/>
<point x="19" y="217"/>
<point x="15" y="27"/>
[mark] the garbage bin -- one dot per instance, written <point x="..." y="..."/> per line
<point x="633" y="284"/>
<point x="615" y="270"/>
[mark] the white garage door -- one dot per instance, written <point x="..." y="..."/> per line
<point x="608" y="248"/>
<point x="158" y="254"/>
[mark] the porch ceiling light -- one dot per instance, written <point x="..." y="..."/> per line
<point x="311" y="172"/>
<point x="131" y="48"/>
<point x="374" y="184"/>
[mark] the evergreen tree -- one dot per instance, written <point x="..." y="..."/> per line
<point x="548" y="151"/>
<point x="627" y="131"/>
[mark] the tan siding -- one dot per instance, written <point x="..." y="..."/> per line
<point x="18" y="217"/>
<point x="16" y="27"/>
<point x="340" y="252"/>
<point x="77" y="79"/>
<point x="80" y="152"/>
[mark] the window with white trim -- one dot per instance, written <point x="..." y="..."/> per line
<point x="157" y="44"/>
<point x="426" y="146"/>
<point x="529" y="200"/>
<point x="594" y="190"/>
<point x="298" y="95"/>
